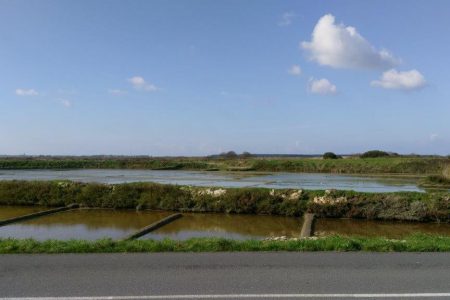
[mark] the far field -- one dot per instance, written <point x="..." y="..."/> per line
<point x="414" y="165"/>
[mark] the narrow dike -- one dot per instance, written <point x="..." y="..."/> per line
<point x="154" y="226"/>
<point x="38" y="214"/>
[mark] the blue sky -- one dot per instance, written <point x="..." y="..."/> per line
<point x="202" y="77"/>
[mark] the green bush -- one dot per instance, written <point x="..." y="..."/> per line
<point x="374" y="153"/>
<point x="404" y="206"/>
<point x="330" y="155"/>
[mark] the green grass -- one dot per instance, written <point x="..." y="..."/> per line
<point x="435" y="181"/>
<point x="352" y="165"/>
<point x="380" y="165"/>
<point x="406" y="206"/>
<point x="414" y="243"/>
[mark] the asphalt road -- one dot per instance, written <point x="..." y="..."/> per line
<point x="227" y="275"/>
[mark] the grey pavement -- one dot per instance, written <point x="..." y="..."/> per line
<point x="227" y="275"/>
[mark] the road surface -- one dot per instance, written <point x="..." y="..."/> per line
<point x="259" y="275"/>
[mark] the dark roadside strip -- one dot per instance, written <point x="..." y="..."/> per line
<point x="38" y="214"/>
<point x="154" y="226"/>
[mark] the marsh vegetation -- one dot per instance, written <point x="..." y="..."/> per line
<point x="411" y="206"/>
<point x="391" y="164"/>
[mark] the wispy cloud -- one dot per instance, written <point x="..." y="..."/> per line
<point x="26" y="92"/>
<point x="117" y="92"/>
<point x="65" y="102"/>
<point x="139" y="83"/>
<point x="295" y="70"/>
<point x="434" y="137"/>
<point x="407" y="80"/>
<point x="338" y="46"/>
<point x="286" y="19"/>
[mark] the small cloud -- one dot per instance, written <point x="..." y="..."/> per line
<point x="286" y="19"/>
<point x="434" y="137"/>
<point x="295" y="70"/>
<point x="139" y="83"/>
<point x="65" y="102"/>
<point x="338" y="46"/>
<point x="26" y="92"/>
<point x="321" y="86"/>
<point x="407" y="80"/>
<point x="117" y="92"/>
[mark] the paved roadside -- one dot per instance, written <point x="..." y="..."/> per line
<point x="231" y="275"/>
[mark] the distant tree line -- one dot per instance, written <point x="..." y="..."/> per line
<point x="233" y="154"/>
<point x="368" y="154"/>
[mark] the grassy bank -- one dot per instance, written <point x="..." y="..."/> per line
<point x="352" y="165"/>
<point x="435" y="181"/>
<point x="415" y="243"/>
<point x="411" y="206"/>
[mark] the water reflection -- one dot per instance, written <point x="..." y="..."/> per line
<point x="85" y="224"/>
<point x="92" y="224"/>
<point x="228" y="226"/>
<point x="225" y="179"/>
<point x="386" y="229"/>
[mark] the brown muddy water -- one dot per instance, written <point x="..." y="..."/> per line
<point x="8" y="212"/>
<point x="86" y="224"/>
<point x="238" y="227"/>
<point x="92" y="224"/>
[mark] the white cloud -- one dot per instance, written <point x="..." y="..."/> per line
<point x="321" y="86"/>
<point x="338" y="46"/>
<point x="295" y="70"/>
<point x="286" y="19"/>
<point x="407" y="80"/>
<point x="434" y="137"/>
<point x="139" y="83"/>
<point x="26" y="92"/>
<point x="65" y="102"/>
<point x="117" y="92"/>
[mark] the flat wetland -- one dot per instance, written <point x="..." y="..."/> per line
<point x="235" y="199"/>
<point x="280" y="180"/>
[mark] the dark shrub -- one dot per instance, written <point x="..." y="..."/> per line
<point x="374" y="153"/>
<point x="229" y="155"/>
<point x="330" y="155"/>
<point x="246" y="154"/>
